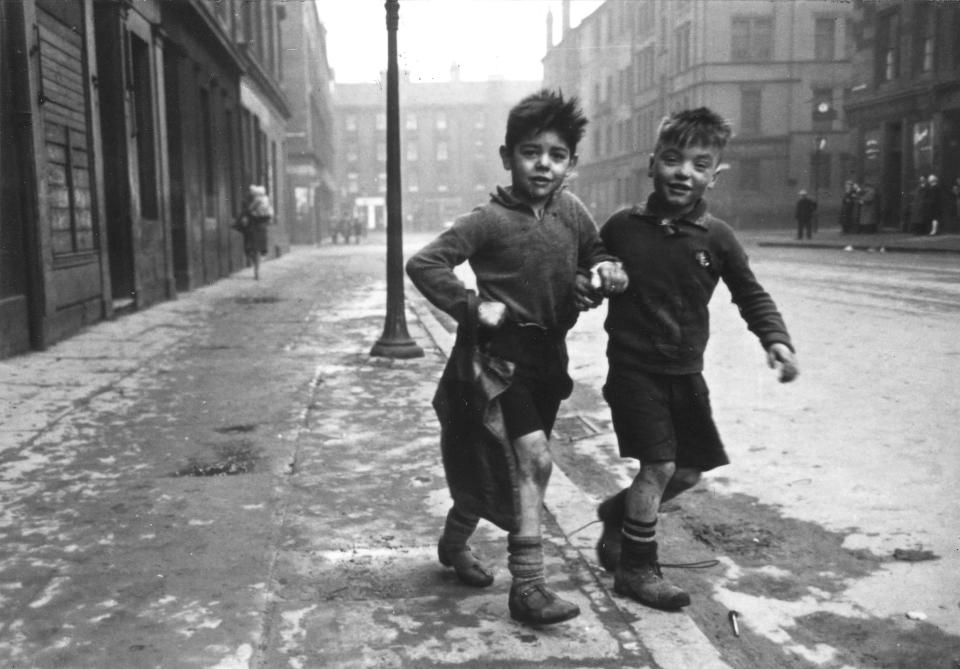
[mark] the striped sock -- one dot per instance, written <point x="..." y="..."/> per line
<point x="639" y="541"/>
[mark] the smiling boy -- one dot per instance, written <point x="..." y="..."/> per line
<point x="530" y="247"/>
<point x="674" y="254"/>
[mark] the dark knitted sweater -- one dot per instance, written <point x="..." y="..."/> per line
<point x="661" y="323"/>
<point x="529" y="264"/>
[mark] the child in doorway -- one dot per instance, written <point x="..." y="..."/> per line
<point x="674" y="254"/>
<point x="532" y="248"/>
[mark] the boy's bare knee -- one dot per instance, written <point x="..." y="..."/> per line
<point x="685" y="477"/>
<point x="657" y="473"/>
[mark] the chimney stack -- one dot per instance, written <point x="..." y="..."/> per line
<point x="549" y="29"/>
<point x="566" y="18"/>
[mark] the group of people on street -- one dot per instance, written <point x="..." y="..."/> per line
<point x="539" y="259"/>
<point x="346" y="227"/>
<point x="858" y="208"/>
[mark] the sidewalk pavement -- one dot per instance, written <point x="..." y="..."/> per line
<point x="230" y="480"/>
<point x="883" y="242"/>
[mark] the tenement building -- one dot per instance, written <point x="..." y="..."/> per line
<point x="778" y="70"/>
<point x="130" y="132"/>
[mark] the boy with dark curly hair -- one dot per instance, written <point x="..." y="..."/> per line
<point x="532" y="248"/>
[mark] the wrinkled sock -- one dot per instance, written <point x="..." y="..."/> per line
<point x="457" y="530"/>
<point x="525" y="560"/>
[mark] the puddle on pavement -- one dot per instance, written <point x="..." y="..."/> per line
<point x="257" y="299"/>
<point x="228" y="459"/>
<point x="237" y="429"/>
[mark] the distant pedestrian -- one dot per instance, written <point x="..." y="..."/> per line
<point x="674" y="253"/>
<point x="531" y="248"/>
<point x="848" y="208"/>
<point x="358" y="231"/>
<point x="868" y="198"/>
<point x="913" y="217"/>
<point x="252" y="224"/>
<point x="804" y="213"/>
<point x="932" y="207"/>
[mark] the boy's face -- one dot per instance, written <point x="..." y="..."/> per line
<point x="682" y="175"/>
<point x="538" y="166"/>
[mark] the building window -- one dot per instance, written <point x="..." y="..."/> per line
<point x="750" y="174"/>
<point x="352" y="153"/>
<point x="381" y="121"/>
<point x="750" y="111"/>
<point x="441" y="121"/>
<point x="923" y="40"/>
<point x="350" y="122"/>
<point x="442" y="188"/>
<point x="381" y="151"/>
<point x="888" y="37"/>
<point x="353" y="182"/>
<point x="442" y="151"/>
<point x="413" y="182"/>
<point x="382" y="182"/>
<point x="411" y="121"/>
<point x="146" y="136"/>
<point x="825" y="38"/>
<point x="412" y="152"/>
<point x="682" y="48"/>
<point x="480" y="123"/>
<point x="752" y="38"/>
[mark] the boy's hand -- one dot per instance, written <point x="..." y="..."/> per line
<point x="585" y="296"/>
<point x="491" y="314"/>
<point x="609" y="278"/>
<point x="779" y="356"/>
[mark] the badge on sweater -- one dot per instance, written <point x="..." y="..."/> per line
<point x="703" y="258"/>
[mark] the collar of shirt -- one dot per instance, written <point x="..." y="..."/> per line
<point x="653" y="212"/>
<point x="504" y="196"/>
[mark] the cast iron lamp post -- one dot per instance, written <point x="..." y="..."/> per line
<point x="395" y="342"/>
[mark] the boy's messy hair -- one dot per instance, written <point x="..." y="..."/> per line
<point x="694" y="126"/>
<point x="546" y="110"/>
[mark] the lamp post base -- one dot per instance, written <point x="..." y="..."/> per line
<point x="401" y="348"/>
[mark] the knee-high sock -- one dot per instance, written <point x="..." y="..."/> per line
<point x="457" y="530"/>
<point x="525" y="560"/>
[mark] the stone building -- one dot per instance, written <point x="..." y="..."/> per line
<point x="129" y="132"/>
<point x="451" y="132"/>
<point x="904" y="103"/>
<point x="307" y="83"/>
<point x="777" y="70"/>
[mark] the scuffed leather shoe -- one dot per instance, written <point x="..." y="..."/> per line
<point x="645" y="584"/>
<point x="467" y="566"/>
<point x="536" y="605"/>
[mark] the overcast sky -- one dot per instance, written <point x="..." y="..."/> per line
<point x="505" y="38"/>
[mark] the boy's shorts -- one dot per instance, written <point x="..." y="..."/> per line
<point x="531" y="403"/>
<point x="540" y="381"/>
<point x="661" y="418"/>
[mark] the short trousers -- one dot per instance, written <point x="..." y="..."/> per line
<point x="540" y="381"/>
<point x="662" y="418"/>
<point x="530" y="403"/>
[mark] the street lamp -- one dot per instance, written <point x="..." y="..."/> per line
<point x="395" y="342"/>
<point x="821" y="143"/>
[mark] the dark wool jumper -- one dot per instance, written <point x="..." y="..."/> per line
<point x="661" y="324"/>
<point x="529" y="264"/>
